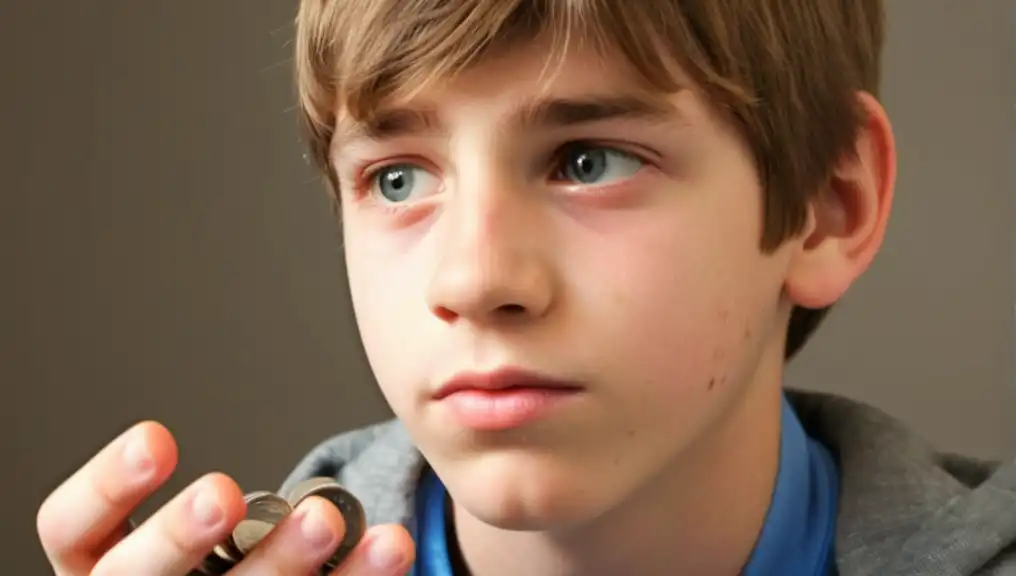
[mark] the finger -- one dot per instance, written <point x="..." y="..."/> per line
<point x="300" y="544"/>
<point x="177" y="537"/>
<point x="385" y="551"/>
<point x="87" y="511"/>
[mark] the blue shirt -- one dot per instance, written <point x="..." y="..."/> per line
<point x="796" y="539"/>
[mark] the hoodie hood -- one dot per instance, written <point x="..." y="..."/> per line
<point x="906" y="508"/>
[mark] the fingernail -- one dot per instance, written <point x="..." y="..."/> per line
<point x="136" y="454"/>
<point x="315" y="528"/>
<point x="205" y="508"/>
<point x="384" y="553"/>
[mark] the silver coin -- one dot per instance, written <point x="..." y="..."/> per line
<point x="220" y="560"/>
<point x="347" y="504"/>
<point x="300" y="490"/>
<point x="227" y="553"/>
<point x="214" y="565"/>
<point x="264" y="511"/>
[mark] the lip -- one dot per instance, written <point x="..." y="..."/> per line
<point x="504" y="399"/>
<point x="503" y="380"/>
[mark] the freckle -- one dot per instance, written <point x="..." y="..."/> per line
<point x="712" y="383"/>
<point x="631" y="433"/>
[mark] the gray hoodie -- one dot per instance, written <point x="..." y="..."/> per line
<point x="904" y="509"/>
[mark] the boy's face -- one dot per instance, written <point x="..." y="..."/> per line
<point x="565" y="225"/>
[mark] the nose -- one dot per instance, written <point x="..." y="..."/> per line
<point x="493" y="264"/>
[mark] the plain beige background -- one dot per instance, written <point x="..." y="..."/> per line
<point x="166" y="253"/>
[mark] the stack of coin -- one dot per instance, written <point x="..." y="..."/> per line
<point x="265" y="510"/>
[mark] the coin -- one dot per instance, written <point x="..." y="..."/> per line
<point x="347" y="504"/>
<point x="264" y="511"/>
<point x="220" y="560"/>
<point x="215" y="564"/>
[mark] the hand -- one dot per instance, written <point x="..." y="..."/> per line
<point x="82" y="524"/>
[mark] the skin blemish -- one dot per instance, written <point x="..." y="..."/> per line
<point x="714" y="381"/>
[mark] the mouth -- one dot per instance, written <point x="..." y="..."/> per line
<point x="504" y="399"/>
<point x="504" y="381"/>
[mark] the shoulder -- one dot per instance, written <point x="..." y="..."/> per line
<point x="906" y="508"/>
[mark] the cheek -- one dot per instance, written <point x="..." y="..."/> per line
<point x="681" y="301"/>
<point x="387" y="315"/>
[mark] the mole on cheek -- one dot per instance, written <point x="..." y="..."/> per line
<point x="714" y="381"/>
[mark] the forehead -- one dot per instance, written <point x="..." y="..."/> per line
<point x="529" y="85"/>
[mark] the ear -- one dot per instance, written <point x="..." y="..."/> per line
<point x="847" y="219"/>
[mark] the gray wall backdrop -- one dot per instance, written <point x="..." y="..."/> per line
<point x="165" y="252"/>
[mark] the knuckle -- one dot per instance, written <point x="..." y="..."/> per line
<point x="55" y="533"/>
<point x="178" y="539"/>
<point x="47" y="525"/>
<point x="107" y="487"/>
<point x="190" y="522"/>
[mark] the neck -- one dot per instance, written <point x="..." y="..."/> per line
<point x="700" y="515"/>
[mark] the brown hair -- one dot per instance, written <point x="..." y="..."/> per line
<point x="786" y="71"/>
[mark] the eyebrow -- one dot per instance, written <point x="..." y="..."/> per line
<point x="565" y="112"/>
<point x="548" y="113"/>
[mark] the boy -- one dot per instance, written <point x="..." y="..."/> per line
<point x="583" y="238"/>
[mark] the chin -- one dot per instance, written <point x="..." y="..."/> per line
<point x="524" y="492"/>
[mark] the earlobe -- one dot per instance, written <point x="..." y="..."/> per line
<point x="847" y="219"/>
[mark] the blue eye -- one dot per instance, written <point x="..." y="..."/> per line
<point x="598" y="165"/>
<point x="401" y="182"/>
